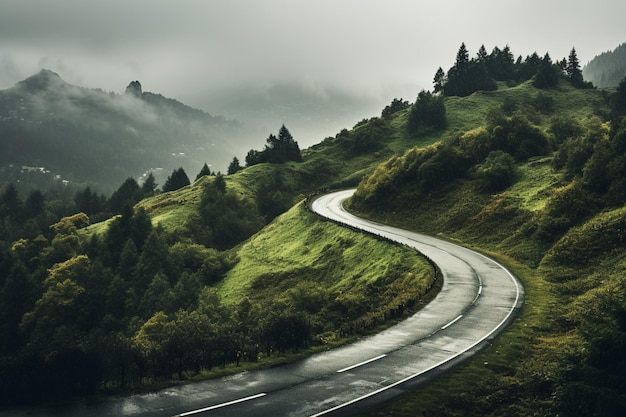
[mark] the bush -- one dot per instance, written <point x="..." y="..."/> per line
<point x="497" y="172"/>
<point x="428" y="112"/>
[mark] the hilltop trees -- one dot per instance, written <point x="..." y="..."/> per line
<point x="395" y="106"/>
<point x="234" y="166"/>
<point x="279" y="149"/>
<point x="429" y="111"/>
<point x="574" y="73"/>
<point x="178" y="179"/>
<point x="547" y="73"/>
<point x="481" y="73"/>
<point x="204" y="171"/>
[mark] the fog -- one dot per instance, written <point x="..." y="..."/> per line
<point x="214" y="54"/>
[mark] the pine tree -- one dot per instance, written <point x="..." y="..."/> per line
<point x="149" y="185"/>
<point x="234" y="166"/>
<point x="439" y="80"/>
<point x="205" y="171"/>
<point x="574" y="73"/>
<point x="178" y="179"/>
<point x="547" y="75"/>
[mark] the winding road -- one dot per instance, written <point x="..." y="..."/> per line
<point x="478" y="299"/>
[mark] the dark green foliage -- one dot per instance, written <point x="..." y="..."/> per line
<point x="177" y="180"/>
<point x="444" y="165"/>
<point x="128" y="194"/>
<point x="563" y="128"/>
<point x="516" y="136"/>
<point x="574" y="73"/>
<point x="607" y="69"/>
<point x="497" y="172"/>
<point x="90" y="203"/>
<point x="92" y="137"/>
<point x="273" y="197"/>
<point x="619" y="100"/>
<point x="279" y="149"/>
<point x="204" y="171"/>
<point x="567" y="207"/>
<point x="547" y="74"/>
<point x="439" y="81"/>
<point x="428" y="112"/>
<point x="149" y="186"/>
<point x="225" y="218"/>
<point x="368" y="136"/>
<point x="395" y="106"/>
<point x="284" y="328"/>
<point x="466" y="76"/>
<point x="234" y="166"/>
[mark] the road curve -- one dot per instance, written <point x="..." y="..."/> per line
<point x="478" y="299"/>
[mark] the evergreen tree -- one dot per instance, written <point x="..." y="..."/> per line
<point x="282" y="148"/>
<point x="205" y="171"/>
<point x="395" y="106"/>
<point x="482" y="55"/>
<point x="129" y="193"/>
<point x="253" y="157"/>
<point x="89" y="202"/>
<point x="429" y="111"/>
<point x="149" y="185"/>
<point x="574" y="73"/>
<point x="34" y="204"/>
<point x="234" y="166"/>
<point x="619" y="100"/>
<point x="279" y="149"/>
<point x="547" y="75"/>
<point x="10" y="203"/>
<point x="177" y="180"/>
<point x="462" y="58"/>
<point x="439" y="81"/>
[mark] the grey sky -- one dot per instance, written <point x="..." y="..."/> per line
<point x="178" y="47"/>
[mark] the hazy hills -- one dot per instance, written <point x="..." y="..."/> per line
<point x="89" y="136"/>
<point x="608" y="68"/>
<point x="311" y="112"/>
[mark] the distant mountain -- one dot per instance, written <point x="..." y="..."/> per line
<point x="94" y="137"/>
<point x="608" y="68"/>
<point x="311" y="112"/>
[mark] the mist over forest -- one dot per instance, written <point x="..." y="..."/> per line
<point x="92" y="137"/>
<point x="89" y="137"/>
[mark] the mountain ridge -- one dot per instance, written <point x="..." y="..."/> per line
<point x="45" y="121"/>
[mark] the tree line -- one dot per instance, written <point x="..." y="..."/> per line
<point x="483" y="71"/>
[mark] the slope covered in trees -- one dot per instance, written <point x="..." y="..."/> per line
<point x="607" y="69"/>
<point x="91" y="137"/>
<point x="530" y="174"/>
<point x="546" y="191"/>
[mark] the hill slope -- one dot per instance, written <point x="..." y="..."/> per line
<point x="544" y="191"/>
<point x="533" y="176"/>
<point x="92" y="137"/>
<point x="608" y="68"/>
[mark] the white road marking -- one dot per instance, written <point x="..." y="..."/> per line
<point x="361" y="363"/>
<point x="214" y="407"/>
<point x="452" y="322"/>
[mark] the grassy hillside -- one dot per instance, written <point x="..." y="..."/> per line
<point x="533" y="177"/>
<point x="557" y="221"/>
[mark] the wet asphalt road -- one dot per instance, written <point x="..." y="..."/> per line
<point x="478" y="299"/>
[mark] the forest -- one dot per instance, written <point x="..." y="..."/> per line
<point x="110" y="294"/>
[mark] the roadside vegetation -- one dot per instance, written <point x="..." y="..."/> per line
<point x="542" y="191"/>
<point x="515" y="158"/>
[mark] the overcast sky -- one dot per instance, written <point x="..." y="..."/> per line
<point x="178" y="47"/>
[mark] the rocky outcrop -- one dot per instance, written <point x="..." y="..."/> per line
<point x="134" y="89"/>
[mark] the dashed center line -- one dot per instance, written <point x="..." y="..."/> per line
<point x="361" y="363"/>
<point x="214" y="407"/>
<point x="452" y="322"/>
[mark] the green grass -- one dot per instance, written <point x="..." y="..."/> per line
<point x="324" y="269"/>
<point x="299" y="251"/>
